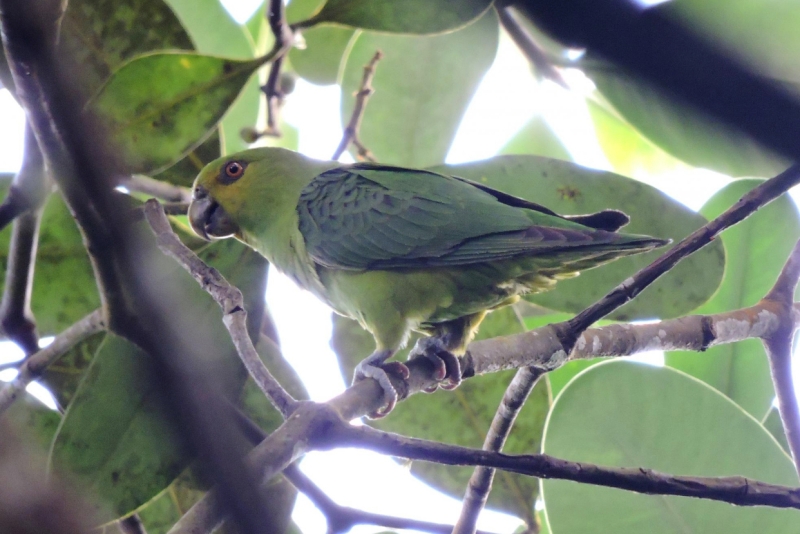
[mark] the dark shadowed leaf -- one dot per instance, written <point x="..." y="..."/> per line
<point x="214" y="32"/>
<point x="567" y="188"/>
<point x="422" y="88"/>
<point x="681" y="130"/>
<point x="756" y="253"/>
<point x="39" y="422"/>
<point x="186" y="170"/>
<point x="160" y="106"/>
<point x="320" y="60"/>
<point x="63" y="377"/>
<point x="99" y="35"/>
<point x="622" y="414"/>
<point x="115" y="437"/>
<point x="402" y="16"/>
<point x="60" y="256"/>
<point x="461" y="416"/>
<point x="536" y="138"/>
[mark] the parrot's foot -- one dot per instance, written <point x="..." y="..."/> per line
<point x="374" y="367"/>
<point x="445" y="364"/>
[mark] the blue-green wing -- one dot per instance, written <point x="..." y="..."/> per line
<point x="368" y="216"/>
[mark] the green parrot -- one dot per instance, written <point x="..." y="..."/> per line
<point x="400" y="249"/>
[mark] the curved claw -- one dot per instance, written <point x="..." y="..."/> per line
<point x="375" y="368"/>
<point x="446" y="365"/>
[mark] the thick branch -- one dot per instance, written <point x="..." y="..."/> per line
<point x="351" y="130"/>
<point x="480" y="483"/>
<point x="38" y="362"/>
<point x="229" y="299"/>
<point x="779" y="351"/>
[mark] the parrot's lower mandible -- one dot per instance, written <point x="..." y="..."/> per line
<point x="400" y="249"/>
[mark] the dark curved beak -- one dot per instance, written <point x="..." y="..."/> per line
<point x="207" y="217"/>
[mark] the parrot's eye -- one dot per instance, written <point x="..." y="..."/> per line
<point x="232" y="171"/>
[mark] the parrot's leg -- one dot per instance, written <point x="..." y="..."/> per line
<point x="374" y="367"/>
<point x="448" y="341"/>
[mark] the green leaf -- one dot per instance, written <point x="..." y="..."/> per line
<point x="756" y="253"/>
<point x="536" y="138"/>
<point x="186" y="170"/>
<point x="158" y="107"/>
<point x="162" y="512"/>
<point x="628" y="151"/>
<point x="114" y="436"/>
<point x="766" y="39"/>
<point x="64" y="376"/>
<point x="422" y="88"/>
<point x="623" y="414"/>
<point x="567" y="188"/>
<point x="100" y="35"/>
<point x="681" y="130"/>
<point x="215" y="33"/>
<point x="37" y="421"/>
<point x="461" y="416"/>
<point x="772" y="422"/>
<point x="402" y="16"/>
<point x="61" y="256"/>
<point x="320" y="60"/>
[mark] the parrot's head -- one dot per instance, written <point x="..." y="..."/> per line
<point x="244" y="192"/>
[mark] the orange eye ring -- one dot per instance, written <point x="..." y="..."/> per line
<point x="234" y="170"/>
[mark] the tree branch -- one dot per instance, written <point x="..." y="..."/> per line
<point x="736" y="490"/>
<point x="568" y="331"/>
<point x="351" y="130"/>
<point x="779" y="351"/>
<point x="157" y="188"/>
<point x="480" y="483"/>
<point x="529" y="47"/>
<point x="35" y="365"/>
<point x="29" y="188"/>
<point x="229" y="299"/>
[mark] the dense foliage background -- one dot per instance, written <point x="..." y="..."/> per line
<point x="177" y="83"/>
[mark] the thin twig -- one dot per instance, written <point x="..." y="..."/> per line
<point x="779" y="351"/>
<point x="157" y="188"/>
<point x="480" y="483"/>
<point x="524" y="40"/>
<point x="351" y="130"/>
<point x="34" y="366"/>
<point x="284" y="40"/>
<point x="229" y="299"/>
<point x="737" y="490"/>
<point x="568" y="331"/>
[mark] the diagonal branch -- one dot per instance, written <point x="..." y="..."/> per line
<point x="229" y="299"/>
<point x="568" y="331"/>
<point x="779" y="351"/>
<point x="34" y="366"/>
<point x="529" y="47"/>
<point x="480" y="483"/>
<point x="350" y="135"/>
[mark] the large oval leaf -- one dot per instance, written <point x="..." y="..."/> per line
<point x="756" y="253"/>
<point x="402" y="16"/>
<point x="159" y="106"/>
<point x="214" y="32"/>
<point x="114" y="436"/>
<point x="622" y="414"/>
<point x="100" y="35"/>
<point x="320" y="60"/>
<point x="422" y="88"/>
<point x="461" y="416"/>
<point x="681" y="130"/>
<point x="567" y="188"/>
